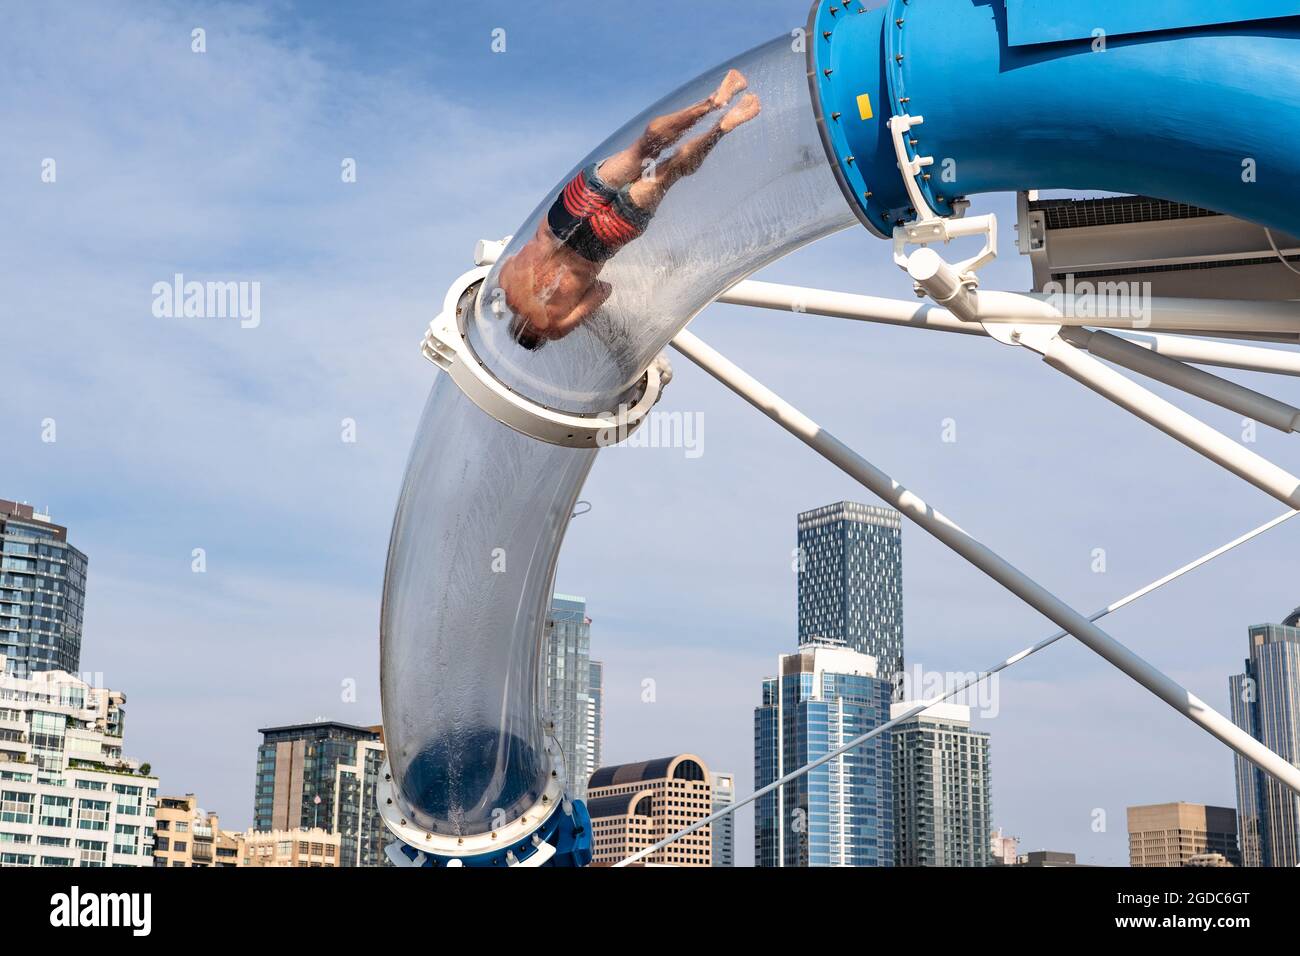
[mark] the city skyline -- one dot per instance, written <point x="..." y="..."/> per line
<point x="570" y="642"/>
<point x="213" y="439"/>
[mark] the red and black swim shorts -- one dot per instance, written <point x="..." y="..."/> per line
<point x="595" y="219"/>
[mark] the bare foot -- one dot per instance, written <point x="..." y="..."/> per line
<point x="732" y="84"/>
<point x="744" y="111"/>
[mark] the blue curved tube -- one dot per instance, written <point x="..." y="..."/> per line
<point x="1206" y="115"/>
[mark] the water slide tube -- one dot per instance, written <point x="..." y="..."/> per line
<point x="1172" y="99"/>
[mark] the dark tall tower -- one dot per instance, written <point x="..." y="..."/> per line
<point x="851" y="581"/>
<point x="42" y="593"/>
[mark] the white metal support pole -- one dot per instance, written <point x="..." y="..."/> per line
<point x="1171" y="420"/>
<point x="1187" y="348"/>
<point x="996" y="567"/>
<point x="865" y="308"/>
<point x="803" y="300"/>
<point x="1193" y="381"/>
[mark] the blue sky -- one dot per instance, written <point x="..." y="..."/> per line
<point x="181" y="434"/>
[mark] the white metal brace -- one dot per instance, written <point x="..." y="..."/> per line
<point x="900" y="128"/>
<point x="951" y="285"/>
<point x="447" y="346"/>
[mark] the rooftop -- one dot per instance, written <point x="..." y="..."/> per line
<point x="372" y="732"/>
<point x="680" y="767"/>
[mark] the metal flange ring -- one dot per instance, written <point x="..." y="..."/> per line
<point x="448" y="347"/>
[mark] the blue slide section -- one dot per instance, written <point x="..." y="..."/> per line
<point x="1191" y="101"/>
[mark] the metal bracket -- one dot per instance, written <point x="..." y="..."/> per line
<point x="447" y="845"/>
<point x="951" y="286"/>
<point x="1033" y="336"/>
<point x="447" y="346"/>
<point x="923" y="232"/>
<point x="929" y="225"/>
<point x="899" y="129"/>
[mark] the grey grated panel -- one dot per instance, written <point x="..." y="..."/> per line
<point x="1176" y="267"/>
<point x="1113" y="211"/>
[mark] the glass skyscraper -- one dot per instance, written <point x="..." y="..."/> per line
<point x="942" y="789"/>
<point x="1266" y="704"/>
<point x="42" y="593"/>
<point x="724" y="828"/>
<point x="573" y="689"/>
<point x="851" y="580"/>
<point x="362" y="836"/>
<point x="595" y="714"/>
<point x="323" y="775"/>
<point x="842" y="813"/>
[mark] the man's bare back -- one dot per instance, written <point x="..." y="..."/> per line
<point x="552" y="285"/>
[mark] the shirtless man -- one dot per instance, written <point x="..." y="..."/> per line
<point x="552" y="284"/>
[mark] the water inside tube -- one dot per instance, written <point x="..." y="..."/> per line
<point x="483" y="509"/>
<point x="763" y="190"/>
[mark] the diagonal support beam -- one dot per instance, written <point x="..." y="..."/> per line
<point x="1169" y="418"/>
<point x="1185" y="378"/>
<point x="982" y="557"/>
<point x="1249" y="358"/>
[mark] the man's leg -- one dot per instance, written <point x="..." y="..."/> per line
<point x="663" y="131"/>
<point x="647" y="194"/>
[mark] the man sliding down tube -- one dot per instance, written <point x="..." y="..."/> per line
<point x="552" y="284"/>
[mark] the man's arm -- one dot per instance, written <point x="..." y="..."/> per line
<point x="596" y="297"/>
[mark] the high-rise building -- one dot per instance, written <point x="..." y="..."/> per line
<point x="362" y="835"/>
<point x="185" y="835"/>
<point x="724" y="828"/>
<point x="942" y="789"/>
<point x="595" y="717"/>
<point x="1266" y="704"/>
<point x="42" y="593"/>
<point x="635" y="805"/>
<point x="1005" y="849"/>
<point x="67" y="795"/>
<point x="841" y="813"/>
<point x="323" y="776"/>
<point x="1172" y="834"/>
<point x="573" y="691"/>
<point x="851" y="580"/>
